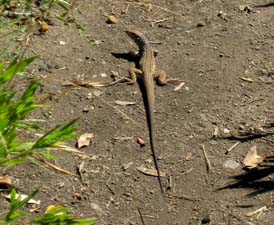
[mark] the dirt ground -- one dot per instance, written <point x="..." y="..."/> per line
<point x="222" y="51"/>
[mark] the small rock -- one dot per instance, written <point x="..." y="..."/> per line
<point x="206" y="219"/>
<point x="226" y="131"/>
<point x="201" y="24"/>
<point x="245" y="8"/>
<point x="231" y="164"/>
<point x="97" y="208"/>
<point x="112" y="19"/>
<point x="85" y="110"/>
<point x="44" y="27"/>
<point x="62" y="43"/>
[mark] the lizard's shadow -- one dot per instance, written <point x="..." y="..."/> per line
<point x="253" y="179"/>
<point x="129" y="56"/>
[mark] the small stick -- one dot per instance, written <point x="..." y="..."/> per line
<point x="233" y="146"/>
<point x="121" y="112"/>
<point x="141" y="216"/>
<point x="270" y="72"/>
<point x="208" y="164"/>
<point x="170" y="183"/>
<point x="53" y="166"/>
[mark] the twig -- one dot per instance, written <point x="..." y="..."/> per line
<point x="186" y="172"/>
<point x="141" y="216"/>
<point x="88" y="84"/>
<point x="53" y="166"/>
<point x="259" y="212"/>
<point x="270" y="72"/>
<point x="232" y="147"/>
<point x="208" y="164"/>
<point x="153" y="22"/>
<point x="121" y="112"/>
<point x="170" y="183"/>
<point x="185" y="197"/>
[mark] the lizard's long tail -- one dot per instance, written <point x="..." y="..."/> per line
<point x="150" y="123"/>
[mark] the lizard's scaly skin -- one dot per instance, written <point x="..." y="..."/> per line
<point x="147" y="66"/>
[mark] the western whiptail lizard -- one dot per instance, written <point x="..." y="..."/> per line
<point x="146" y="71"/>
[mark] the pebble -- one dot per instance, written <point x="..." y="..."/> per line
<point x="231" y="164"/>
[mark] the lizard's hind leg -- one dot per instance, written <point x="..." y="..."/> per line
<point x="134" y="74"/>
<point x="161" y="77"/>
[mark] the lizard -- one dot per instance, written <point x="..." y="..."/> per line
<point x="146" y="70"/>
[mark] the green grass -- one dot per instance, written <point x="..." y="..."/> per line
<point x="21" y="18"/>
<point x="55" y="215"/>
<point x="14" y="108"/>
<point x="19" y="142"/>
<point x="14" y="111"/>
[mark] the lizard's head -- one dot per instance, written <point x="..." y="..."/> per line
<point x="136" y="36"/>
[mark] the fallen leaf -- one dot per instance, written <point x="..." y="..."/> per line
<point x="188" y="156"/>
<point x="5" y="182"/>
<point x="124" y="103"/>
<point x="21" y="197"/>
<point x="84" y="140"/>
<point x="150" y="172"/>
<point x="251" y="159"/>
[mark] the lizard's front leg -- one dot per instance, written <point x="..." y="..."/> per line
<point x="161" y="77"/>
<point x="134" y="73"/>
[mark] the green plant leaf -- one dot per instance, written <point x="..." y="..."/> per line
<point x="56" y="135"/>
<point x="59" y="215"/>
<point x="16" y="204"/>
<point x="15" y="68"/>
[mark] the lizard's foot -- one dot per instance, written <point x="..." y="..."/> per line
<point x="162" y="78"/>
<point x="133" y="72"/>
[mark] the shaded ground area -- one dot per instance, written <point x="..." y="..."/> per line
<point x="222" y="50"/>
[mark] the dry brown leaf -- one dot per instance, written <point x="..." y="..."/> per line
<point x="251" y="159"/>
<point x="5" y="182"/>
<point x="188" y="156"/>
<point x="150" y="172"/>
<point x="140" y="141"/>
<point x="84" y="140"/>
